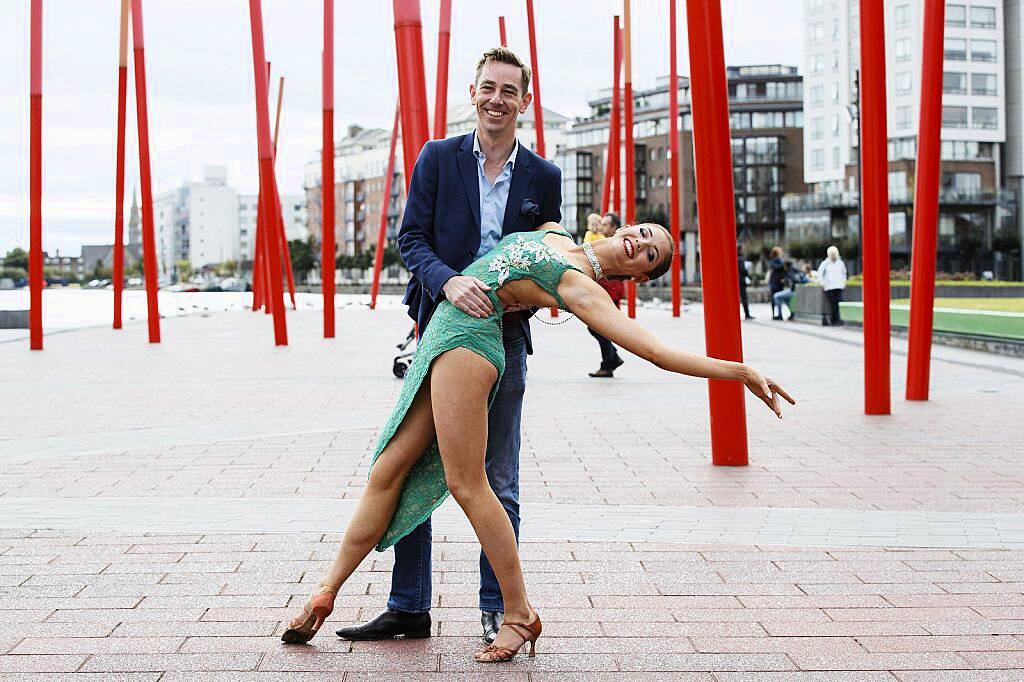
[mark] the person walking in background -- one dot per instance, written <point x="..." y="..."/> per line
<point x="610" y="359"/>
<point x="776" y="278"/>
<point x="744" y="281"/>
<point x="595" y="229"/>
<point x="832" y="273"/>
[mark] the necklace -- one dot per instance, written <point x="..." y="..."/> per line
<point x="588" y="249"/>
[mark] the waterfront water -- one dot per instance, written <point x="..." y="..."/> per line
<point x="68" y="308"/>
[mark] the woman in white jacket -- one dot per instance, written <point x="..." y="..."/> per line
<point x="832" y="274"/>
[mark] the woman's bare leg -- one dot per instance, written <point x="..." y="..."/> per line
<point x="377" y="505"/>
<point x="460" y="384"/>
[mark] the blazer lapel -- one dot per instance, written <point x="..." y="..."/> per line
<point x="468" y="170"/>
<point x="522" y="173"/>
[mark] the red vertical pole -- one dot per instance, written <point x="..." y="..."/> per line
<point x="267" y="181"/>
<point x="630" y="213"/>
<point x="715" y="199"/>
<point x="874" y="207"/>
<point x="327" y="174"/>
<point x="411" y="82"/>
<point x="262" y="227"/>
<point x="538" y="109"/>
<point x="611" y="175"/>
<point x="284" y="232"/>
<point x="122" y="106"/>
<point x="501" y="32"/>
<point x="615" y="135"/>
<point x="35" y="255"/>
<point x="926" y="203"/>
<point x="378" y="258"/>
<point x="444" y="37"/>
<point x="148" y="235"/>
<point x="673" y="146"/>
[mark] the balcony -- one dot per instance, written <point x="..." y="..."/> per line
<point x="897" y="197"/>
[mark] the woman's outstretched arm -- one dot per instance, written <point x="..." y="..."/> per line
<point x="588" y="301"/>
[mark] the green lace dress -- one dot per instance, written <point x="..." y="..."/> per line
<point x="521" y="255"/>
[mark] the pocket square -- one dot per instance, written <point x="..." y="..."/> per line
<point x="529" y="208"/>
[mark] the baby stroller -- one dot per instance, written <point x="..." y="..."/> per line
<point x="402" y="361"/>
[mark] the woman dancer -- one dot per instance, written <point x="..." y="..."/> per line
<point x="434" y="442"/>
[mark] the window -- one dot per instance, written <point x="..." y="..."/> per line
<point x="985" y="117"/>
<point x="818" y="159"/>
<point x="898" y="229"/>
<point x="817" y="95"/>
<point x="956" y="15"/>
<point x="954" y="83"/>
<point x="983" y="50"/>
<point x="962" y="183"/>
<point x="983" y="17"/>
<point x="903" y="83"/>
<point x="955" y="49"/>
<point x="903" y="49"/>
<point x="903" y="117"/>
<point x="901" y="16"/>
<point x="983" y="84"/>
<point x="954" y="117"/>
<point x="816" y="129"/>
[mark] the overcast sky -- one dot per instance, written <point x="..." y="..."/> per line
<point x="200" y="81"/>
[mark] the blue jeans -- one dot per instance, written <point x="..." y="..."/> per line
<point x="411" y="576"/>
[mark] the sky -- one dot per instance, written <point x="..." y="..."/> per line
<point x="200" y="85"/>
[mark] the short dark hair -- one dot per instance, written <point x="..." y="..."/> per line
<point x="503" y="55"/>
<point x="616" y="220"/>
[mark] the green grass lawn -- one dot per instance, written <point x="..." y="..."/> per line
<point x="1006" y="305"/>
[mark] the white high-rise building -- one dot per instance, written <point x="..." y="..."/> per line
<point x="973" y="102"/>
<point x="197" y="222"/>
<point x="293" y="212"/>
<point x="208" y="222"/>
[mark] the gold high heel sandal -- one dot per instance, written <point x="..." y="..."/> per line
<point x="528" y="631"/>
<point x="303" y="627"/>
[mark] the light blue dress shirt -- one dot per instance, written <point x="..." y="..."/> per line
<point x="493" y="198"/>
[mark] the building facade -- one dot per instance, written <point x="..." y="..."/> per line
<point x="765" y="102"/>
<point x="972" y="205"/>
<point x="208" y="223"/>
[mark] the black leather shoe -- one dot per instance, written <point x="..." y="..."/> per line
<point x="491" y="620"/>
<point x="388" y="625"/>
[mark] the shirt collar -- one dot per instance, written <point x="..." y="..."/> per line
<point x="480" y="155"/>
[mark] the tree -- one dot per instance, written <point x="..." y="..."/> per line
<point x="16" y="258"/>
<point x="304" y="257"/>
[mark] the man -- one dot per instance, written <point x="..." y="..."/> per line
<point x="744" y="275"/>
<point x="466" y="193"/>
<point x="610" y="358"/>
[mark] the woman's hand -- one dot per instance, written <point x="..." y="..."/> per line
<point x="765" y="389"/>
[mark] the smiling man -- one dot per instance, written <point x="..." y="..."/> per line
<point x="466" y="193"/>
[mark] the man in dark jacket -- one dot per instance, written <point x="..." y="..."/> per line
<point x="466" y="193"/>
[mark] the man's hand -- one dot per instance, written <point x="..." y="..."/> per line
<point x="468" y="294"/>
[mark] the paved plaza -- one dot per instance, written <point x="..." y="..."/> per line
<point x="164" y="509"/>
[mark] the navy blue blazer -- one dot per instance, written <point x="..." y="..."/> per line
<point x="440" y="232"/>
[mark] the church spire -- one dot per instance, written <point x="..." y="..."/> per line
<point x="134" y="222"/>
